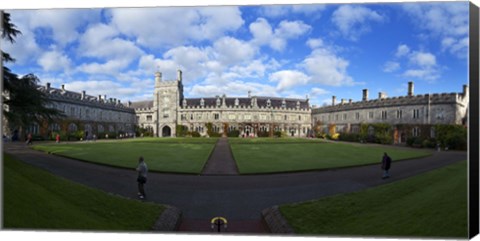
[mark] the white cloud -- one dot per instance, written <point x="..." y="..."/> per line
<point x="314" y="43"/>
<point x="327" y="68"/>
<point x="423" y="59"/>
<point x="402" y="50"/>
<point x="261" y="31"/>
<point x="110" y="67"/>
<point x="391" y="66"/>
<point x="174" y="25"/>
<point x="232" y="88"/>
<point x="54" y="61"/>
<point x="288" y="78"/>
<point x="276" y="11"/>
<point x="316" y="92"/>
<point x="231" y="51"/>
<point x="277" y="39"/>
<point x="447" y="22"/>
<point x="102" y="41"/>
<point x="63" y="23"/>
<point x="352" y="21"/>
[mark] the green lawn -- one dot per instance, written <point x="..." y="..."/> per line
<point x="429" y="205"/>
<point x="285" y="155"/>
<point x="36" y="199"/>
<point x="183" y="155"/>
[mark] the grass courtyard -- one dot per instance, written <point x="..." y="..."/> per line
<point x="287" y="155"/>
<point x="429" y="205"/>
<point x="36" y="199"/>
<point x="253" y="156"/>
<point x="177" y="155"/>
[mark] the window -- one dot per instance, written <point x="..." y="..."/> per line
<point x="183" y="117"/>
<point x="415" y="131"/>
<point x="149" y="118"/>
<point x="216" y="116"/>
<point x="384" y="114"/>
<point x="432" y="132"/>
<point x="199" y="116"/>
<point x="344" y="116"/>
<point x="247" y="117"/>
<point x="72" y="111"/>
<point x="416" y="113"/>
<point x="370" y="115"/>
<point x="336" y="117"/>
<point x="299" y="117"/>
<point x="165" y="113"/>
<point x="399" y="114"/>
<point x="285" y="117"/>
<point x="440" y="115"/>
<point x="54" y="127"/>
<point x="191" y="116"/>
<point x="357" y="116"/>
<point x="231" y="117"/>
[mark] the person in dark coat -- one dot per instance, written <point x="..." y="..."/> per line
<point x="386" y="163"/>
<point x="142" y="170"/>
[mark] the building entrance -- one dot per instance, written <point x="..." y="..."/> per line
<point x="166" y="131"/>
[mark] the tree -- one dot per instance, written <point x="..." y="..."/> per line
<point x="23" y="103"/>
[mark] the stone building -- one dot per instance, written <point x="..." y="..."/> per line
<point x="91" y="114"/>
<point x="409" y="114"/>
<point x="249" y="115"/>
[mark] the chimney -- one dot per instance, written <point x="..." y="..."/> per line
<point x="63" y="87"/>
<point x="382" y="95"/>
<point x="465" y="90"/>
<point x="119" y="102"/>
<point x="410" y="88"/>
<point x="249" y="94"/>
<point x="179" y="75"/>
<point x="343" y="101"/>
<point x="350" y="101"/>
<point x="129" y="103"/>
<point x="334" y="99"/>
<point x="114" y="100"/>
<point x="365" y="95"/>
<point x="83" y="95"/>
<point x="99" y="98"/>
<point x="110" y="100"/>
<point x="105" y="98"/>
<point x="48" y="86"/>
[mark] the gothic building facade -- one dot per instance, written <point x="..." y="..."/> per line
<point x="248" y="115"/>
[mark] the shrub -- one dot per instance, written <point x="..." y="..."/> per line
<point x="233" y="133"/>
<point x="194" y="134"/>
<point x="263" y="134"/>
<point x="456" y="140"/>
<point x="352" y="137"/>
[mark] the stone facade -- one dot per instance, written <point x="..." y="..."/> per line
<point x="93" y="115"/>
<point x="412" y="110"/>
<point x="249" y="115"/>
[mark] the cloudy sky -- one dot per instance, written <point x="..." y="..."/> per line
<point x="275" y="50"/>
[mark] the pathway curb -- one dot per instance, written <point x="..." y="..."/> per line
<point x="169" y="220"/>
<point x="275" y="221"/>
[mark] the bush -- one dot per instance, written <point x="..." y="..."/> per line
<point x="194" y="134"/>
<point x="352" y="137"/>
<point x="233" y="133"/>
<point x="263" y="134"/>
<point x="456" y="140"/>
<point x="277" y="134"/>
<point x="215" y="134"/>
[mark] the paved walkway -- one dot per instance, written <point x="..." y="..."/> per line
<point x="240" y="199"/>
<point x="221" y="160"/>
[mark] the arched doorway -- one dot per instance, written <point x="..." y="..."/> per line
<point x="166" y="131"/>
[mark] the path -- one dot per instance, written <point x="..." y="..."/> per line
<point x="238" y="198"/>
<point x="221" y="160"/>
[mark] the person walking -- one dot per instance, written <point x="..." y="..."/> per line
<point x="386" y="163"/>
<point x="57" y="138"/>
<point x="142" y="170"/>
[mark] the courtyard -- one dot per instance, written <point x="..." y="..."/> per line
<point x="242" y="198"/>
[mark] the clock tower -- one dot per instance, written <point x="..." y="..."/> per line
<point x="168" y="95"/>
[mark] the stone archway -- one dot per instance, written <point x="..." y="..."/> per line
<point x="166" y="131"/>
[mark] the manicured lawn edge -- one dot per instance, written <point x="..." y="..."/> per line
<point x="433" y="204"/>
<point x="36" y="199"/>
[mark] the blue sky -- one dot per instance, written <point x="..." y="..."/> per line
<point x="282" y="50"/>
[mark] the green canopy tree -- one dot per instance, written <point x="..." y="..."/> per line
<point x="23" y="103"/>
